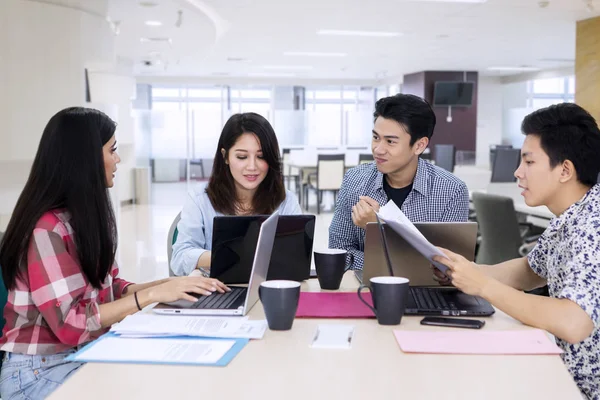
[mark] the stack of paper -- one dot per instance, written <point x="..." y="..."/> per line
<point x="146" y="325"/>
<point x="160" y="350"/>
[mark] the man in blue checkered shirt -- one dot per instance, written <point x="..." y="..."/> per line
<point x="425" y="193"/>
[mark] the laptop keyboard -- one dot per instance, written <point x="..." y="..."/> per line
<point x="431" y="299"/>
<point x="220" y="301"/>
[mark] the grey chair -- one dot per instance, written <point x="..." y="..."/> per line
<point x="365" y="158"/>
<point x="171" y="239"/>
<point x="502" y="237"/>
<point x="505" y="164"/>
<point x="444" y="156"/>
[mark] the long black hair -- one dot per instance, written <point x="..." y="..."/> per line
<point x="221" y="186"/>
<point x="68" y="173"/>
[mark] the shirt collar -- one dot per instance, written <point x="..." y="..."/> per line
<point x="419" y="183"/>
<point x="571" y="213"/>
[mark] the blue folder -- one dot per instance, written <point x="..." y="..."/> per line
<point x="79" y="356"/>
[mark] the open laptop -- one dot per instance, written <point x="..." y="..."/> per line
<point x="241" y="299"/>
<point x="387" y="253"/>
<point x="233" y="243"/>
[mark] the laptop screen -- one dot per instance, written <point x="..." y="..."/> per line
<point x="234" y="243"/>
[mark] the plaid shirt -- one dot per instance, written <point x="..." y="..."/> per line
<point x="53" y="307"/>
<point x="436" y="196"/>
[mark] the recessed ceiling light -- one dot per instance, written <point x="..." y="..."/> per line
<point x="517" y="69"/>
<point x="147" y="3"/>
<point x="155" y="39"/>
<point x="289" y="67"/>
<point x="337" y="32"/>
<point x="313" y="54"/>
<point x="153" y="23"/>
<point x="272" y="74"/>
<point x="238" y="59"/>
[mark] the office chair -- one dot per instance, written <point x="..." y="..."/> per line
<point x="501" y="235"/>
<point x="444" y="156"/>
<point x="330" y="173"/>
<point x="365" y="158"/>
<point x="505" y="164"/>
<point x="171" y="239"/>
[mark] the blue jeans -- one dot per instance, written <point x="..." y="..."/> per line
<point x="26" y="377"/>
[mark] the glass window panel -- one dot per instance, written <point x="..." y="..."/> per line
<point x="549" y="86"/>
<point x="328" y="94"/>
<point x="165" y="92"/>
<point x="541" y="103"/>
<point x="571" y="85"/>
<point x="165" y="105"/>
<point x="205" y="93"/>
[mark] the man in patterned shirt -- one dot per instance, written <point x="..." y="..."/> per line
<point x="559" y="168"/>
<point x="425" y="193"/>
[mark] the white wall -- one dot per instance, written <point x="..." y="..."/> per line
<point x="489" y="117"/>
<point x="44" y="51"/>
<point x="116" y="90"/>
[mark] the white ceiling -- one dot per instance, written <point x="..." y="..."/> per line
<point x="436" y="36"/>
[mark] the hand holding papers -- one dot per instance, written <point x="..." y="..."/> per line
<point x="395" y="218"/>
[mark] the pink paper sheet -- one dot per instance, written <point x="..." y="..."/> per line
<point x="531" y="341"/>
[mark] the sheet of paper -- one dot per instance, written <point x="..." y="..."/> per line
<point x="248" y="330"/>
<point x="153" y="324"/>
<point x="333" y="336"/>
<point x="530" y="341"/>
<point x="178" y="351"/>
<point x="392" y="212"/>
<point x="419" y="242"/>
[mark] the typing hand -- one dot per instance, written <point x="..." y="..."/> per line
<point x="364" y="211"/>
<point x="182" y="288"/>
<point x="465" y="274"/>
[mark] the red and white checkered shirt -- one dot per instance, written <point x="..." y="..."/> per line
<point x="53" y="307"/>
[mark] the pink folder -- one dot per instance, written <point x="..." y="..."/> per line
<point x="531" y="341"/>
<point x="333" y="305"/>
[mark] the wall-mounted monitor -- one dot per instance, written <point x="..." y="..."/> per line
<point x="455" y="94"/>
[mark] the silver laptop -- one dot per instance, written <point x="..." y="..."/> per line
<point x="459" y="237"/>
<point x="240" y="300"/>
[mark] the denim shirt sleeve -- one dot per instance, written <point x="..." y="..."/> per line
<point x="191" y="240"/>
<point x="290" y="205"/>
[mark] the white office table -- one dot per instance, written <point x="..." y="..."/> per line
<point x="283" y="366"/>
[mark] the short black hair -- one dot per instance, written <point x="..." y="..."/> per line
<point x="568" y="132"/>
<point x="412" y="112"/>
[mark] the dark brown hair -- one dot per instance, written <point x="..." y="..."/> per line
<point x="221" y="186"/>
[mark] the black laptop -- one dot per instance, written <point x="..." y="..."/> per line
<point x="233" y="246"/>
<point x="437" y="300"/>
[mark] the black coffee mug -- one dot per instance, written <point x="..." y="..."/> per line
<point x="280" y="302"/>
<point x="330" y="265"/>
<point x="390" y="295"/>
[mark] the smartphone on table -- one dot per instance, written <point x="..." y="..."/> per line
<point x="453" y="322"/>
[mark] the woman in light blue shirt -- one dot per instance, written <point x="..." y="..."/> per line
<point x="246" y="180"/>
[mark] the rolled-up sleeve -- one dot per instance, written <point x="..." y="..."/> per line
<point x="58" y="288"/>
<point x="191" y="240"/>
<point x="119" y="285"/>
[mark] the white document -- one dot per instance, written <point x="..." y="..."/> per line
<point x="148" y="324"/>
<point x="190" y="351"/>
<point x="395" y="218"/>
<point x="247" y="330"/>
<point x="333" y="336"/>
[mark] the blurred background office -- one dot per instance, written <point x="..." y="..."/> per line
<point x="171" y="72"/>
